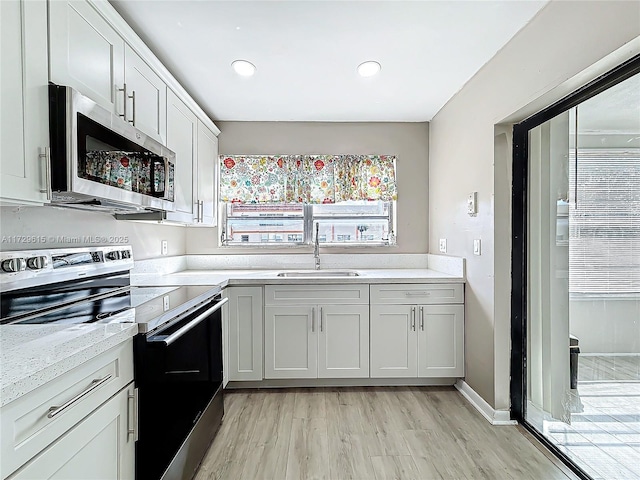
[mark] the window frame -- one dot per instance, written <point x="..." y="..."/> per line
<point x="308" y="221"/>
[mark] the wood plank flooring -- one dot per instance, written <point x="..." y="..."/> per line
<point x="366" y="433"/>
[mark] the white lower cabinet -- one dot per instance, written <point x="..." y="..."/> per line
<point x="244" y="334"/>
<point x="80" y="425"/>
<point x="394" y="345"/>
<point x="316" y="340"/>
<point x="417" y="340"/>
<point x="99" y="447"/>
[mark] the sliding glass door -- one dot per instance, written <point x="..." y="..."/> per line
<point x="576" y="276"/>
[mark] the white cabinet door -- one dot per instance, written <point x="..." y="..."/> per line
<point x="206" y="201"/>
<point x="23" y="100"/>
<point x="86" y="53"/>
<point x="146" y="97"/>
<point x="245" y="333"/>
<point x="182" y="130"/>
<point x="290" y="342"/>
<point x="441" y="341"/>
<point x="394" y="346"/>
<point x="99" y="447"/>
<point x="343" y="341"/>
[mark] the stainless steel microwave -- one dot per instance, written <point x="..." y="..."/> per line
<point x="100" y="161"/>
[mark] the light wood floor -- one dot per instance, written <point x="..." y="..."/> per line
<point x="366" y="433"/>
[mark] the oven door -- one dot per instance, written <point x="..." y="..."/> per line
<point x="186" y="350"/>
<point x="178" y="371"/>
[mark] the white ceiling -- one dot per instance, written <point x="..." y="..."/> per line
<point x="307" y="52"/>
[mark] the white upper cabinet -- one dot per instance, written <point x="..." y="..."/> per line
<point x="205" y="199"/>
<point x="86" y="53"/>
<point x="182" y="131"/>
<point x="146" y="99"/>
<point x="24" y="133"/>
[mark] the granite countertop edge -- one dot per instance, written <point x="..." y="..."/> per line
<point x="26" y="367"/>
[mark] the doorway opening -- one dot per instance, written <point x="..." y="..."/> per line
<point x="575" y="360"/>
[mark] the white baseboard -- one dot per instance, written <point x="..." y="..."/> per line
<point x="494" y="417"/>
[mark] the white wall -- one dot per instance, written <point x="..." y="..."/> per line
<point x="65" y="228"/>
<point x="606" y="325"/>
<point x="408" y="141"/>
<point x="543" y="62"/>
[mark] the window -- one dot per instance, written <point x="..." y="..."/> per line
<point x="281" y="199"/>
<point x="346" y="223"/>
<point x="604" y="221"/>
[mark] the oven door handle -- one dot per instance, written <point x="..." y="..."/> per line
<point x="193" y="323"/>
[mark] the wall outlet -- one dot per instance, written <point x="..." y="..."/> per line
<point x="472" y="203"/>
<point x="165" y="303"/>
<point x="476" y="246"/>
<point x="443" y="245"/>
<point x="165" y="247"/>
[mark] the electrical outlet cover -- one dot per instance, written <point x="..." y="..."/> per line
<point x="443" y="245"/>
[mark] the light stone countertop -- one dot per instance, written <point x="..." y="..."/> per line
<point x="32" y="355"/>
<point x="224" y="278"/>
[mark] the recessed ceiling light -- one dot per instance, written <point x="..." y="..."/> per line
<point x="368" y="68"/>
<point x="244" y="68"/>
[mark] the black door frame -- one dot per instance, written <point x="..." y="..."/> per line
<point x="518" y="384"/>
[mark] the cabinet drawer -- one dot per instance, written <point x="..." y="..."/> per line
<point x="313" y="295"/>
<point x="26" y="426"/>
<point x="406" y="294"/>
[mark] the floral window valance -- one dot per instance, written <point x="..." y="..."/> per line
<point x="306" y="178"/>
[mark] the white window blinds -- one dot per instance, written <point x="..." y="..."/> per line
<point x="604" y="221"/>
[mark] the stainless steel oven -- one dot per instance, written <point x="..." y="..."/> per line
<point x="177" y="352"/>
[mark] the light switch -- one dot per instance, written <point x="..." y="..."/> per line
<point x="165" y="303"/>
<point x="443" y="245"/>
<point x="476" y="246"/>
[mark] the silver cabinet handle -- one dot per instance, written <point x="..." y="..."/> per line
<point x="417" y="294"/>
<point x="321" y="319"/>
<point x="95" y="383"/>
<point x="133" y="101"/>
<point x="133" y="429"/>
<point x="45" y="156"/>
<point x="422" y="318"/>
<point x="193" y="323"/>
<point x="413" y="318"/>
<point x="313" y="319"/>
<point x="124" y="101"/>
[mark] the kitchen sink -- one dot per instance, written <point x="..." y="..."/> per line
<point x="319" y="273"/>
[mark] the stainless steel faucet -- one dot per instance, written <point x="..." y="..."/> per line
<point x="316" y="248"/>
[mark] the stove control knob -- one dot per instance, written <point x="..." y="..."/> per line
<point x="115" y="255"/>
<point x="125" y="254"/>
<point x="37" y="263"/>
<point x="13" y="265"/>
